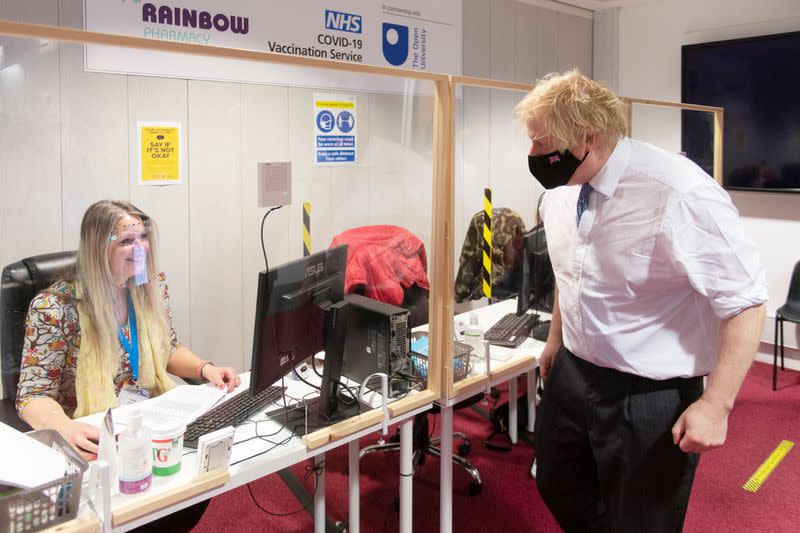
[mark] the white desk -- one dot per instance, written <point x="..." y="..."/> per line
<point x="248" y="463"/>
<point x="524" y="359"/>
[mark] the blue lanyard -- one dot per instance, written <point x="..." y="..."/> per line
<point x="131" y="347"/>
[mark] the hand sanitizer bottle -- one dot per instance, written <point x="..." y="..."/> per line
<point x="135" y="456"/>
<point x="473" y="335"/>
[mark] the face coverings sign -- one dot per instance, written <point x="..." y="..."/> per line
<point x="334" y="129"/>
<point x="410" y="34"/>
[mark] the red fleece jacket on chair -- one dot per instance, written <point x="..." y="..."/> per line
<point x="385" y="260"/>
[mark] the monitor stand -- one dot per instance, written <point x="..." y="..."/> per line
<point x="306" y="417"/>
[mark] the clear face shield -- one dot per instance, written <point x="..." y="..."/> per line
<point x="129" y="251"/>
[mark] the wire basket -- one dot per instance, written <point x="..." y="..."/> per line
<point x="461" y="365"/>
<point x="48" y="504"/>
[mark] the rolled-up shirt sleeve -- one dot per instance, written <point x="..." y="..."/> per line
<point x="710" y="246"/>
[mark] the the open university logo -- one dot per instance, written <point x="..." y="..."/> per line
<point x="395" y="43"/>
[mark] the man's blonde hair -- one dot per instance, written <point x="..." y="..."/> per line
<point x="570" y="107"/>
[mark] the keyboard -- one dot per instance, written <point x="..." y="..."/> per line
<point x="510" y="330"/>
<point x="231" y="413"/>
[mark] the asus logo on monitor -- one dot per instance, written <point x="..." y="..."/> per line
<point x="315" y="270"/>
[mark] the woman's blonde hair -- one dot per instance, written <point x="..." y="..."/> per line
<point x="570" y="107"/>
<point x="98" y="293"/>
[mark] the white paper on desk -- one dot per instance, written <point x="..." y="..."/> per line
<point x="26" y="462"/>
<point x="528" y="347"/>
<point x="500" y="353"/>
<point x="180" y="405"/>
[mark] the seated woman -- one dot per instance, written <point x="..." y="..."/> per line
<point x="106" y="336"/>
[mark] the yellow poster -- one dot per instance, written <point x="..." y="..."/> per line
<point x="159" y="150"/>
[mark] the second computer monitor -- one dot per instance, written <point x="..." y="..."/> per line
<point x="538" y="282"/>
<point x="290" y="313"/>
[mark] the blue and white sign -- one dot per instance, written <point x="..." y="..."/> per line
<point x="335" y="130"/>
<point x="409" y="34"/>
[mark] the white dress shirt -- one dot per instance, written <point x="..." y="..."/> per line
<point x="659" y="258"/>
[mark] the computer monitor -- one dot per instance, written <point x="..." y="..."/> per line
<point x="291" y="312"/>
<point x="537" y="285"/>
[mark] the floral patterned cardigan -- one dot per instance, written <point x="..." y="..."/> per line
<point x="52" y="347"/>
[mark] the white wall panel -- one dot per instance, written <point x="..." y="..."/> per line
<point x="265" y="138"/>
<point x="511" y="182"/>
<point x="475" y="136"/>
<point x="525" y="64"/>
<point x="215" y="222"/>
<point x="567" y="40"/>
<point x="94" y="139"/>
<point x="163" y="100"/>
<point x="547" y="55"/>
<point x="501" y="39"/>
<point x="476" y="56"/>
<point x="584" y="41"/>
<point x="30" y="147"/>
<point x="309" y="182"/>
<point x="30" y="11"/>
<point x="94" y="131"/>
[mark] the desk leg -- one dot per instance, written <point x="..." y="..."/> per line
<point x="533" y="385"/>
<point x="406" y="474"/>
<point x="512" y="409"/>
<point x="446" y="472"/>
<point x="319" y="498"/>
<point x="355" y="490"/>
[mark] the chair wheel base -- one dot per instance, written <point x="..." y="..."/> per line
<point x="475" y="489"/>
<point x="464" y="449"/>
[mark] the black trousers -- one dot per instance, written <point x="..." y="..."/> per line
<point x="604" y="452"/>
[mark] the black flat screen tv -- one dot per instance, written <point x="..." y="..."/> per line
<point x="757" y="81"/>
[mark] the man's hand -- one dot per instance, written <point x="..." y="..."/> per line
<point x="701" y="427"/>
<point x="547" y="357"/>
<point x="82" y="437"/>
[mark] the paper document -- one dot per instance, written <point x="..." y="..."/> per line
<point x="26" y="462"/>
<point x="183" y="405"/>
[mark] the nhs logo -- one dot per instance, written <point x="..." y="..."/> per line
<point x="337" y="20"/>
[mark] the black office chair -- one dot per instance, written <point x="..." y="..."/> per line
<point x="788" y="312"/>
<point x="21" y="281"/>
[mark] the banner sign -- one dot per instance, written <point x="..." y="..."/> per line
<point x="159" y="153"/>
<point x="411" y="34"/>
<point x="334" y="129"/>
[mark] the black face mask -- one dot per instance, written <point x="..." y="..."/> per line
<point x="554" y="169"/>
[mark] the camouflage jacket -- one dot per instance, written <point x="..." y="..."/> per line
<point x="507" y="232"/>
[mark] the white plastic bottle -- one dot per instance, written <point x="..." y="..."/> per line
<point x="473" y="335"/>
<point x="135" y="456"/>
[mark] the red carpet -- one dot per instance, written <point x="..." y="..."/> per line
<point x="509" y="500"/>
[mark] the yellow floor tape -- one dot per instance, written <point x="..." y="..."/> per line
<point x="766" y="468"/>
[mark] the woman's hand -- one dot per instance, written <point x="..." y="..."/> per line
<point x="82" y="437"/>
<point x="221" y="376"/>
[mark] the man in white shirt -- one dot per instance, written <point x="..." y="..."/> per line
<point x="656" y="287"/>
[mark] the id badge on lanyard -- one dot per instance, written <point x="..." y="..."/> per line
<point x="131" y="394"/>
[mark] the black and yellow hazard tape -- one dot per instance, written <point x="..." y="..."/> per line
<point x="487" y="243"/>
<point x="766" y="468"/>
<point x="306" y="229"/>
